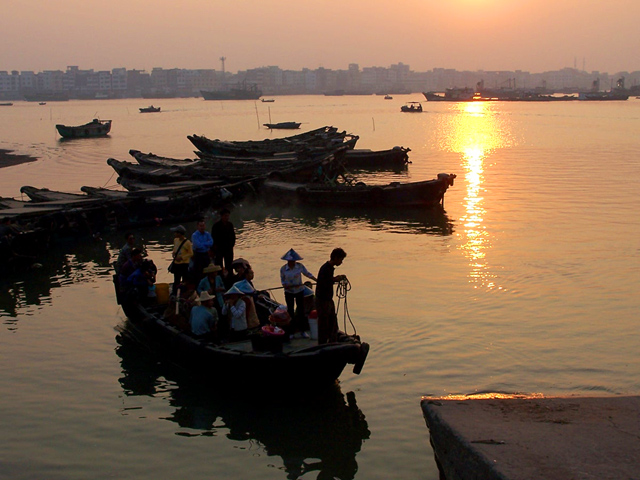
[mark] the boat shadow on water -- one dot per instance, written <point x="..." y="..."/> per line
<point x="427" y="221"/>
<point x="320" y="430"/>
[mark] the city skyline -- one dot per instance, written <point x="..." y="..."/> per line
<point x="529" y="35"/>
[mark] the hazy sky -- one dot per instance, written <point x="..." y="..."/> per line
<point x="532" y="35"/>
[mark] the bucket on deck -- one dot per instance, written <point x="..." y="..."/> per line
<point x="162" y="293"/>
<point x="313" y="324"/>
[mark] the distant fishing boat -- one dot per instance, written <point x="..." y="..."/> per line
<point x="283" y="125"/>
<point x="6" y="104"/>
<point x="149" y="109"/>
<point x="412" y="107"/>
<point x="268" y="100"/>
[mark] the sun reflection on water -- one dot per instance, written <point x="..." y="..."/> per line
<point x="475" y="130"/>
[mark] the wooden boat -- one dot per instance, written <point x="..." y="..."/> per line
<point x="283" y="125"/>
<point x="412" y="107"/>
<point x="268" y="100"/>
<point x="319" y="139"/>
<point x="149" y="109"/>
<point x="301" y="363"/>
<point x="229" y="171"/>
<point x="95" y="128"/>
<point x="395" y="157"/>
<point x="6" y="104"/>
<point x="429" y="193"/>
<point x="388" y="97"/>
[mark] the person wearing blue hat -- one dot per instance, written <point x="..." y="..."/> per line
<point x="294" y="290"/>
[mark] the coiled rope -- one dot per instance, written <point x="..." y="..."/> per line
<point x="341" y="292"/>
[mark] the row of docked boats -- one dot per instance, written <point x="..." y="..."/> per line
<point x="311" y="168"/>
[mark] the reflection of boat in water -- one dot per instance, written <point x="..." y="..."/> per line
<point x="319" y="431"/>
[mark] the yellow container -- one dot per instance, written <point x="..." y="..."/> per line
<point x="162" y="293"/>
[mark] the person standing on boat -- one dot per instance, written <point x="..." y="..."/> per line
<point x="224" y="239"/>
<point x="327" y="319"/>
<point x="236" y="310"/>
<point x="291" y="278"/>
<point x="125" y="252"/>
<point x="202" y="243"/>
<point x="182" y="253"/>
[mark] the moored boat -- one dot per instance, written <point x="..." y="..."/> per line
<point x="95" y="128"/>
<point x="428" y="193"/>
<point x="362" y="158"/>
<point x="283" y="125"/>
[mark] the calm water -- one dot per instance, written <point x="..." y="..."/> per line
<point x="528" y="282"/>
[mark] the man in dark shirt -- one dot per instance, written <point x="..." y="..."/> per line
<point x="224" y="239"/>
<point x="327" y="319"/>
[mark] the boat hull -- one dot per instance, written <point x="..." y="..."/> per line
<point x="92" y="129"/>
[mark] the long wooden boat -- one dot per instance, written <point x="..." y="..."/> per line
<point x="360" y="158"/>
<point x="95" y="128"/>
<point x="301" y="363"/>
<point x="283" y="125"/>
<point x="321" y="138"/>
<point x="231" y="171"/>
<point x="428" y="193"/>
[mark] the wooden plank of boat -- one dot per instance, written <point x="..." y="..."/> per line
<point x="95" y="128"/>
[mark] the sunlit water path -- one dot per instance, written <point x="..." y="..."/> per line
<point x="526" y="282"/>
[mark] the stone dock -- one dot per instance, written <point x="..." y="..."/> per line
<point x="500" y="437"/>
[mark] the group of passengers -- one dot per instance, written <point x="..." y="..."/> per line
<point x="216" y="293"/>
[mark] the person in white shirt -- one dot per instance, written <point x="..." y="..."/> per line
<point x="236" y="310"/>
<point x="294" y="290"/>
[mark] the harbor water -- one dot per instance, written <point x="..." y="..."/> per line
<point x="526" y="282"/>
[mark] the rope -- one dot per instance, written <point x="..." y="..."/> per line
<point x="341" y="292"/>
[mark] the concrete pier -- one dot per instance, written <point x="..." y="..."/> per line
<point x="529" y="438"/>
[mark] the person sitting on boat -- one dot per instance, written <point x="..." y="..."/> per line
<point x="327" y="319"/>
<point x="236" y="310"/>
<point x="202" y="243"/>
<point x="203" y="318"/>
<point x="125" y="252"/>
<point x="212" y="283"/>
<point x="129" y="267"/>
<point x="294" y="291"/>
<point x="141" y="282"/>
<point x="182" y="253"/>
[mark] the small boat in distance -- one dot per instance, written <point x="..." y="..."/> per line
<point x="283" y="125"/>
<point x="42" y="103"/>
<point x="6" y="104"/>
<point x="412" y="107"/>
<point x="268" y="100"/>
<point x="149" y="109"/>
<point x="95" y="128"/>
<point x="388" y="97"/>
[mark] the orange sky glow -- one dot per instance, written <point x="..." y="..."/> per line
<point x="531" y="35"/>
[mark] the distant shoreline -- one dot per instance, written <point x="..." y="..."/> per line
<point x="9" y="159"/>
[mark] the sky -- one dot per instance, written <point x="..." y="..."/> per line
<point x="529" y="35"/>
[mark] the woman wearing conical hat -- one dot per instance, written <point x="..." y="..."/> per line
<point x="294" y="290"/>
